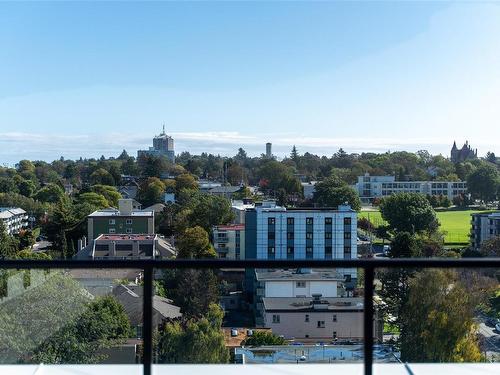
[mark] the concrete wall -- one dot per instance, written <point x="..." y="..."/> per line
<point x="293" y="324"/>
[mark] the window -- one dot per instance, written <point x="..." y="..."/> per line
<point x="347" y="235"/>
<point x="270" y="252"/>
<point x="111" y="221"/>
<point x="289" y="252"/>
<point x="271" y="221"/>
<point x="289" y="236"/>
<point x="321" y="324"/>
<point x="290" y="220"/>
<point x="300" y="284"/>
<point x="334" y="335"/>
<point x="328" y="221"/>
<point x="328" y="252"/>
<point x="221" y="245"/>
<point x="309" y="252"/>
<point x="306" y="319"/>
<point x="309" y="220"/>
<point x="347" y="221"/>
<point x="271" y="235"/>
<point x="328" y="235"/>
<point x="129" y="222"/>
<point x="129" y="230"/>
<point x="112" y="230"/>
<point x="276" y="318"/>
<point x="334" y="319"/>
<point x="309" y="235"/>
<point x="347" y="252"/>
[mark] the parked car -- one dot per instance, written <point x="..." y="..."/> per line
<point x="497" y="327"/>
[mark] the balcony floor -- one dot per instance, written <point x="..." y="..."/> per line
<point x="344" y="369"/>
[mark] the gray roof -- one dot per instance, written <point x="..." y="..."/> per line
<point x="298" y="274"/>
<point x="114" y="212"/>
<point x="8" y="212"/>
<point x="130" y="296"/>
<point x="157" y="207"/>
<point x="301" y="304"/>
<point x="225" y="189"/>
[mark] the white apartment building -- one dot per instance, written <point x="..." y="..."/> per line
<point x="484" y="226"/>
<point x="301" y="283"/>
<point x="274" y="232"/>
<point x="14" y="219"/>
<point x="370" y="187"/>
<point x="239" y="207"/>
<point x="229" y="241"/>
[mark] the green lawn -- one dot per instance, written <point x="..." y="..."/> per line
<point x="455" y="223"/>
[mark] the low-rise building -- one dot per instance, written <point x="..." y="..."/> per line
<point x="295" y="283"/>
<point x="371" y="187"/>
<point x="315" y="317"/>
<point x="309" y="188"/>
<point x="229" y="241"/>
<point x="14" y="219"/>
<point x="239" y="207"/>
<point x="127" y="246"/>
<point x="484" y="226"/>
<point x="124" y="220"/>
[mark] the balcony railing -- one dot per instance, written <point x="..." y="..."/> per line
<point x="148" y="265"/>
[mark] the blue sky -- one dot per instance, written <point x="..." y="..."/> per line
<point x="85" y="79"/>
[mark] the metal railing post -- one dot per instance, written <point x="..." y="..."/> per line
<point x="147" y="316"/>
<point x="368" y="319"/>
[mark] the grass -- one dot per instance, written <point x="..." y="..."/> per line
<point x="456" y="223"/>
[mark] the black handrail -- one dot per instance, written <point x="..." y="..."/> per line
<point x="148" y="265"/>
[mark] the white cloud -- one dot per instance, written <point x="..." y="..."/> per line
<point x="15" y="146"/>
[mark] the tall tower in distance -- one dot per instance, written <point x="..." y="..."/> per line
<point x="269" y="151"/>
<point x="163" y="145"/>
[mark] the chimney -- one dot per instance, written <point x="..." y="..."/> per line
<point x="125" y="207"/>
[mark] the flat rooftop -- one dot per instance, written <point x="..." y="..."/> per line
<point x="267" y="369"/>
<point x="298" y="274"/>
<point x="116" y="213"/>
<point x="292" y="304"/>
<point x="125" y="237"/>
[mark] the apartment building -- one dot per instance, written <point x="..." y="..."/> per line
<point x="274" y="232"/>
<point x="294" y="283"/>
<point x="229" y="241"/>
<point x="239" y="208"/>
<point x="124" y="220"/>
<point x="14" y="219"/>
<point x="370" y="187"/>
<point x="484" y="226"/>
<point x="316" y="317"/>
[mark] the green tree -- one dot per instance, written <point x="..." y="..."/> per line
<point x="26" y="187"/>
<point x="204" y="210"/>
<point x="103" y="324"/>
<point x="185" y="181"/>
<point x="484" y="182"/>
<point x="109" y="192"/>
<point x="261" y="338"/>
<point x="193" y="290"/>
<point x="151" y="191"/>
<point x="8" y="246"/>
<point x="194" y="243"/>
<point x="50" y="193"/>
<point x="102" y="177"/>
<point x="438" y="320"/>
<point x="408" y="212"/>
<point x="194" y="341"/>
<point x="333" y="192"/>
<point x="491" y="247"/>
<point x="404" y="245"/>
<point x="96" y="200"/>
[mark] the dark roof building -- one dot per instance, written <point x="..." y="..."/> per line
<point x="466" y="152"/>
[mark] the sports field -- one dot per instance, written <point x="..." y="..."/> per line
<point x="455" y="223"/>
